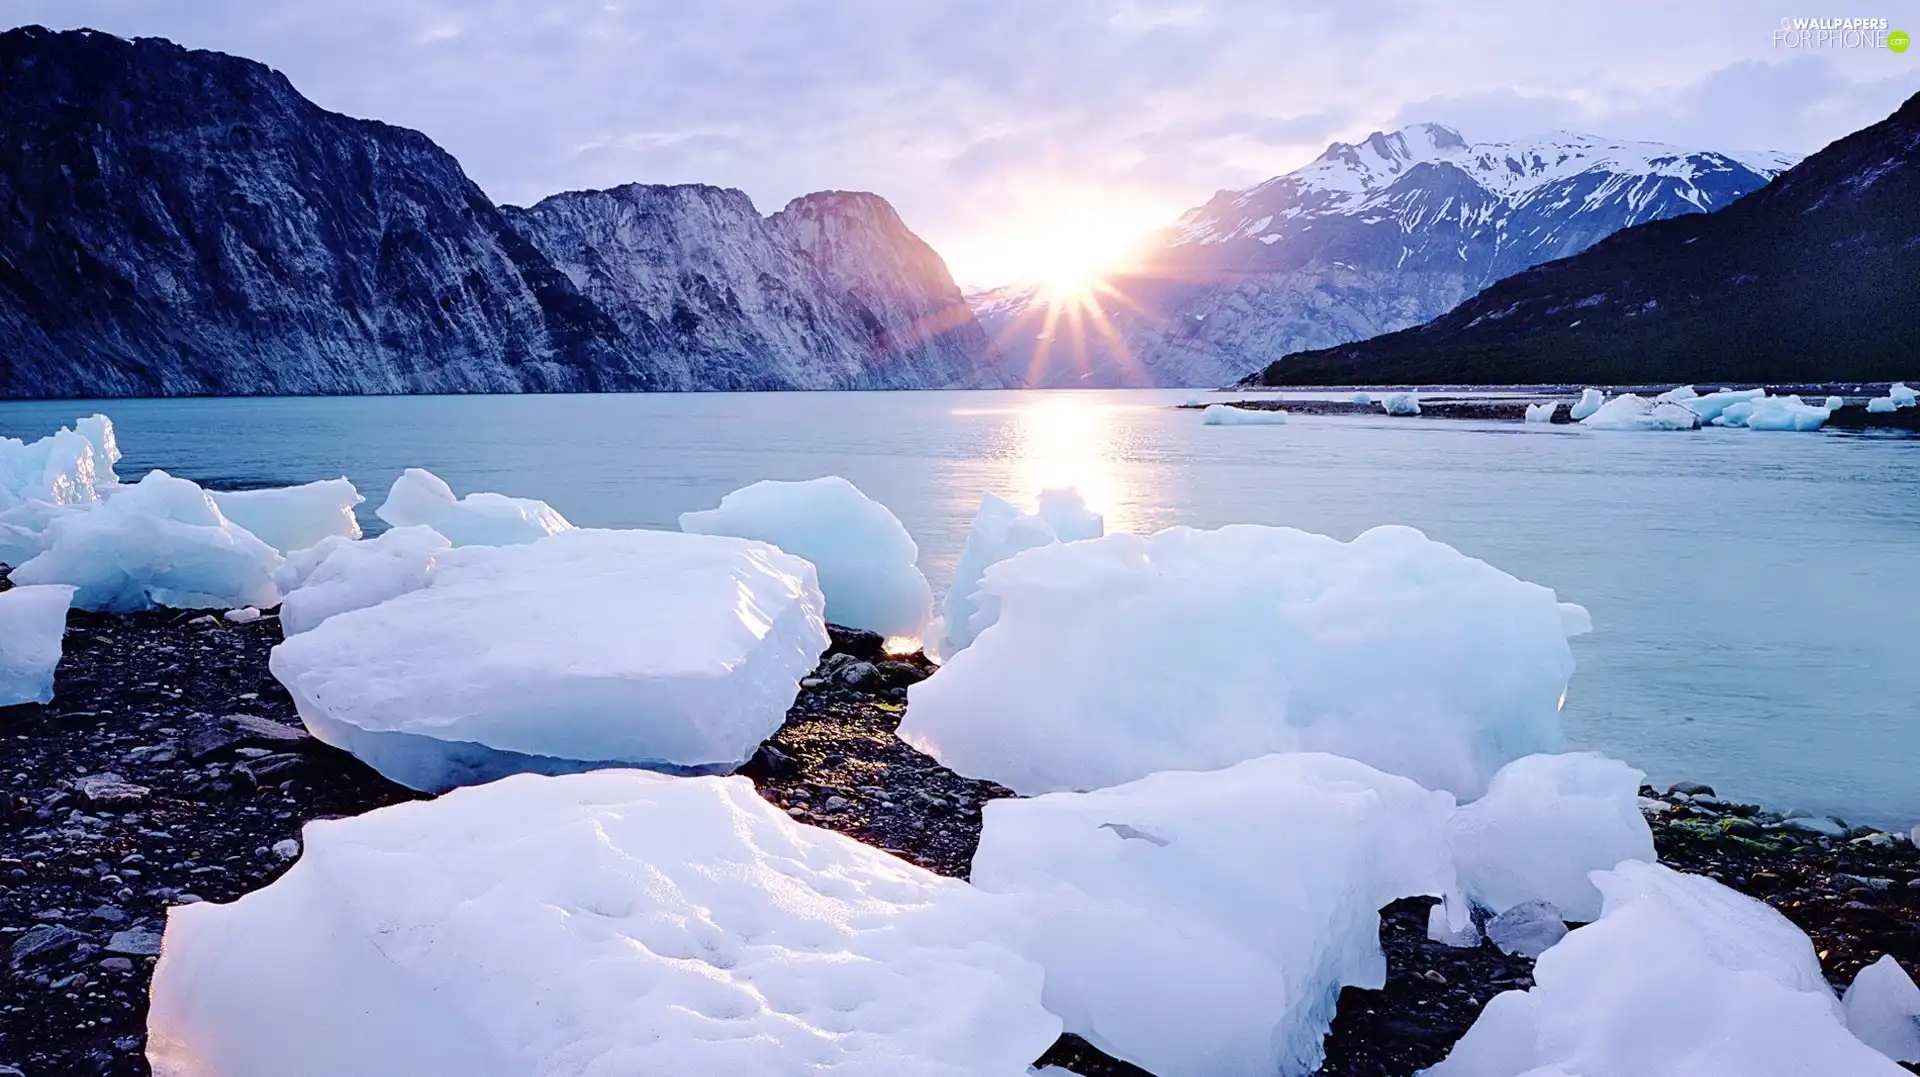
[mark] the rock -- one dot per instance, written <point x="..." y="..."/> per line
<point x="900" y="674"/>
<point x="271" y="769"/>
<point x="858" y="642"/>
<point x="1844" y="881"/>
<point x="1821" y="825"/>
<point x="1764" y="882"/>
<point x="10" y="1071"/>
<point x="770" y="762"/>
<point x="134" y="943"/>
<point x="1434" y="976"/>
<point x="862" y="675"/>
<point x="835" y="803"/>
<point x="116" y="964"/>
<point x="45" y="942"/>
<point x="1692" y="789"/>
<point x="209" y="736"/>
<point x="109" y="791"/>
<point x="286" y="849"/>
<point x="1527" y="929"/>
<point x="109" y="914"/>
<point x="1741" y="828"/>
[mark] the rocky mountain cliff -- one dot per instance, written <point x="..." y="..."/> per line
<point x="179" y="222"/>
<point x="1365" y="239"/>
<point x="1815" y="278"/>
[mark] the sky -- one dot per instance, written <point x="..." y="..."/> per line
<point x="1020" y="136"/>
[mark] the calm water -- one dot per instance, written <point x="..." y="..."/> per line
<point x="1753" y="594"/>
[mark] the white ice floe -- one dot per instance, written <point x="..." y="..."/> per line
<point x="158" y="542"/>
<point x="245" y="615"/>
<point x="587" y="648"/>
<point x="1203" y="923"/>
<point x="1542" y="413"/>
<point x="1402" y="404"/>
<point x="1712" y="405"/>
<point x="1228" y="415"/>
<point x="866" y="559"/>
<point x="1120" y="656"/>
<point x="1773" y="413"/>
<point x="294" y="517"/>
<point x="1680" y="977"/>
<point x="33" y="621"/>
<point x="419" y="497"/>
<point x="1833" y="404"/>
<point x="1546" y="822"/>
<point x="341" y="574"/>
<point x="1630" y="412"/>
<point x="999" y="531"/>
<point x="1589" y="402"/>
<point x="1902" y="395"/>
<point x="1677" y="395"/>
<point x="1361" y="398"/>
<point x="55" y="476"/>
<point x="1883" y="1009"/>
<point x="1442" y="928"/>
<point x="1882" y="405"/>
<point x="609" y="923"/>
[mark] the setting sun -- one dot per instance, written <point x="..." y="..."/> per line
<point x="1062" y="240"/>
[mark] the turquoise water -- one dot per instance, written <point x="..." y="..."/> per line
<point x="1753" y="594"/>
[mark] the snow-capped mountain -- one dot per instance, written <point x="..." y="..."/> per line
<point x="185" y="222"/>
<point x="1366" y="239"/>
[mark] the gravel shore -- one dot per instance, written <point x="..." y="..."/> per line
<point x="171" y="768"/>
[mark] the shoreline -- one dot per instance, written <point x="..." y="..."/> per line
<point x="1514" y="409"/>
<point x="205" y="804"/>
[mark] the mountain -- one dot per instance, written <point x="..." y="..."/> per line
<point x="1365" y="239"/>
<point x="1815" y="278"/>
<point x="179" y="222"/>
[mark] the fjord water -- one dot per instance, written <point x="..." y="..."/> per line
<point x="1753" y="594"/>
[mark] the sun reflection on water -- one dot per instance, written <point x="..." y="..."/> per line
<point x="1059" y="441"/>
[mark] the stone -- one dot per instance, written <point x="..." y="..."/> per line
<point x="1527" y="929"/>
<point x="109" y="790"/>
<point x="116" y="964"/>
<point x="44" y="942"/>
<point x="1741" y="828"/>
<point x="858" y="642"/>
<point x="286" y="849"/>
<point x="109" y="914"/>
<point x="135" y="943"/>
<point x="860" y="675"/>
<point x="209" y="736"/>
<point x="900" y="674"/>
<point x="1692" y="789"/>
<point x="770" y="762"/>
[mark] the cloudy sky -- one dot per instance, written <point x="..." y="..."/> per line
<point x="1006" y="129"/>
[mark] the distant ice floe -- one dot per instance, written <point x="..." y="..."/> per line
<point x="1402" y="404"/>
<point x="1775" y="413"/>
<point x="999" y="531"/>
<point x="1542" y="413"/>
<point x="421" y="498"/>
<point x="585" y="649"/>
<point x="294" y="517"/>
<point x="1361" y="398"/>
<point x="1899" y="395"/>
<point x="33" y="624"/>
<point x="1228" y="415"/>
<point x="609" y="923"/>
<point x="1631" y="412"/>
<point x="1589" y="402"/>
<point x="1203" y="924"/>
<point x="1120" y="656"/>
<point x="1604" y="1001"/>
<point x="867" y="562"/>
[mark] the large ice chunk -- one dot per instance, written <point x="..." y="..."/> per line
<point x="1000" y="531"/>
<point x="1201" y="924"/>
<point x="1712" y="405"/>
<point x="68" y="467"/>
<point x="294" y="517"/>
<point x="1546" y="822"/>
<point x="33" y="620"/>
<point x="1228" y="415"/>
<point x="865" y="558"/>
<point x="597" y="924"/>
<point x="585" y="649"/>
<point x="1589" y="402"/>
<point x="1123" y="655"/>
<point x="1784" y="413"/>
<point x="419" y="497"/>
<point x="1630" y="412"/>
<point x="340" y="574"/>
<point x="1883" y="1009"/>
<point x="1882" y="405"/>
<point x="1680" y="977"/>
<point x="1401" y="404"/>
<point x="1679" y="394"/>
<point x="158" y="542"/>
<point x="1542" y="413"/>
<point x="1902" y="395"/>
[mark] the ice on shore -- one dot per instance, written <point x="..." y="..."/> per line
<point x="340" y="574"/>
<point x="1882" y="405"/>
<point x="1202" y="924"/>
<point x="1228" y="415"/>
<point x="609" y="923"/>
<point x="866" y="560"/>
<point x="1528" y="929"/>
<point x="1542" y="413"/>
<point x="291" y="518"/>
<point x="419" y="497"/>
<point x="1677" y="395"/>
<point x="585" y="649"/>
<point x="158" y="542"/>
<point x="1630" y="412"/>
<point x="52" y="477"/>
<point x="1120" y="656"/>
<point x="1902" y="395"/>
<point x="33" y="622"/>
<point x="1402" y="404"/>
<point x="1361" y="398"/>
<point x="999" y="531"/>
<point x="1883" y="1009"/>
<point x="1773" y="413"/>
<point x="1589" y="402"/>
<point x="1442" y="928"/>
<point x="1714" y="404"/>
<point x="1833" y="404"/>
<point x="1679" y="977"/>
<point x="1546" y="822"/>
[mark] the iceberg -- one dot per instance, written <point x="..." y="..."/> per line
<point x="1902" y="395"/>
<point x="609" y="923"/>
<point x="1361" y="398"/>
<point x="340" y="574"/>
<point x="1677" y="395"/>
<point x="1833" y="404"/>
<point x="54" y="477"/>
<point x="1228" y="415"/>
<point x="419" y="497"/>
<point x="1442" y="929"/>
<point x="1712" y="405"/>
<point x="1542" y="413"/>
<point x="1589" y="402"/>
<point x="1882" y="405"/>
<point x="1402" y="404"/>
<point x="1202" y="924"/>
<point x="33" y="622"/>
<point x="1546" y="822"/>
<point x="1784" y="413"/>
<point x="585" y="649"/>
<point x="1116" y="657"/>
<point x="865" y="558"/>
<point x="158" y="542"/>
<point x="1605" y="1002"/>
<point x="999" y="531"/>
<point x="291" y="518"/>
<point x="1882" y="1006"/>
<point x="1630" y="412"/>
